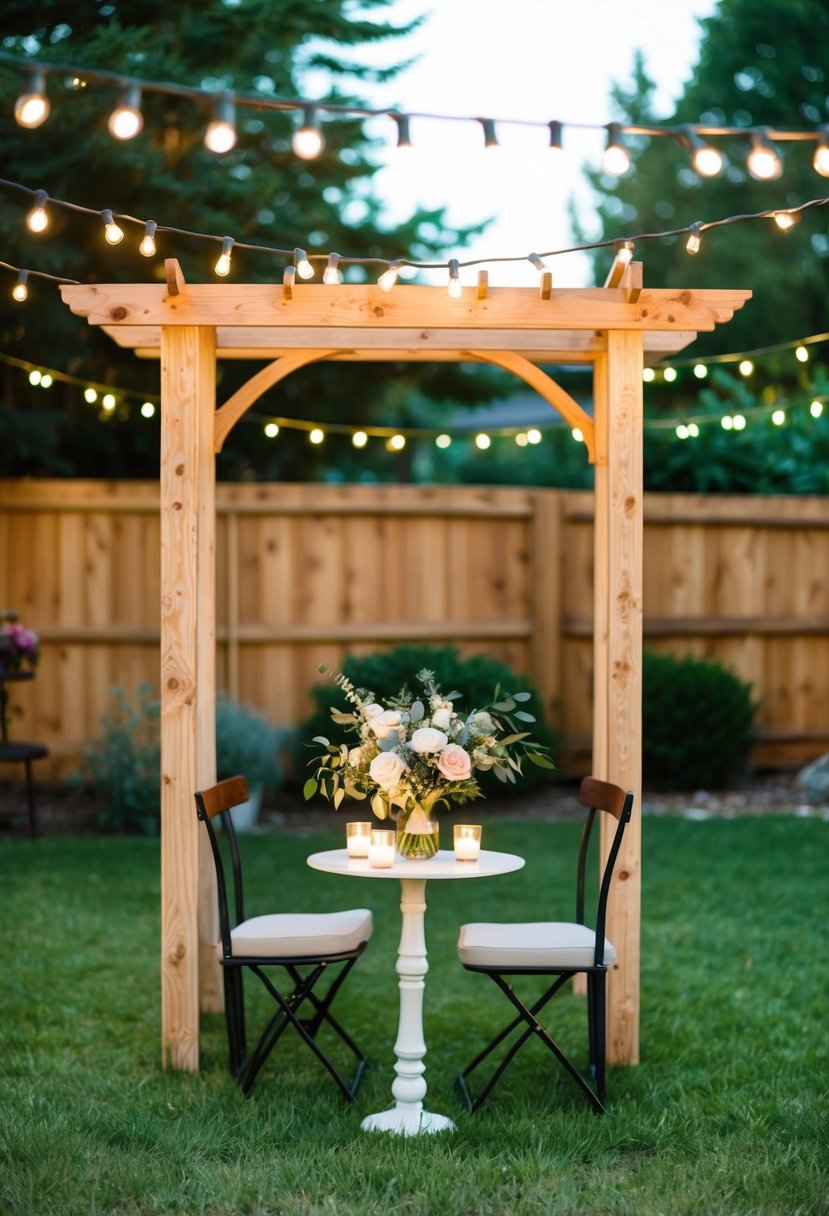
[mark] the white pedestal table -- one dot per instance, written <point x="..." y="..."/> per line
<point x="407" y="1117"/>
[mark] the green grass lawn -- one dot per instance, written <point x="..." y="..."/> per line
<point x="726" y="1114"/>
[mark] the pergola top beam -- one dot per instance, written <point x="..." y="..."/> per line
<point x="370" y="309"/>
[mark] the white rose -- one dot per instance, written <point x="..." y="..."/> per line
<point x="454" y="763"/>
<point x="385" y="722"/>
<point x="427" y="739"/>
<point x="386" y="769"/>
<point x="372" y="710"/>
<point x="442" y="718"/>
<point x="355" y="756"/>
<point x="481" y="721"/>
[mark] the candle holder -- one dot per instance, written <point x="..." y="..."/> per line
<point x="467" y="841"/>
<point x="357" y="837"/>
<point x="381" y="849"/>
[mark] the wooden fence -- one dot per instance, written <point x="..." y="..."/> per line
<point x="307" y="573"/>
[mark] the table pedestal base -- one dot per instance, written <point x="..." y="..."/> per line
<point x="407" y="1122"/>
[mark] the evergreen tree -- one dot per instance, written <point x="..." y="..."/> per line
<point x="259" y="193"/>
<point x="758" y="66"/>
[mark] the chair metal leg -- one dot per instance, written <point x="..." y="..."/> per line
<point x="235" y="1017"/>
<point x="287" y="1015"/>
<point x="599" y="1033"/>
<point x="529" y="1016"/>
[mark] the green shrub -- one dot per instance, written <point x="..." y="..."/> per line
<point x="698" y="723"/>
<point x="124" y="764"/>
<point x="386" y="672"/>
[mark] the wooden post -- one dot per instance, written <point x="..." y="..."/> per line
<point x="617" y="657"/>
<point x="545" y="638"/>
<point x="187" y="669"/>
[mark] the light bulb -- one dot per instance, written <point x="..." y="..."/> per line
<point x="397" y="443"/>
<point x="388" y="278"/>
<point x="556" y="131"/>
<point x="670" y="374"/>
<point x="820" y="160"/>
<point x="700" y="371"/>
<point x="359" y="439"/>
<point x="785" y="220"/>
<point x="648" y="375"/>
<point x="34" y="377"/>
<point x="533" y="435"/>
<point x="778" y="417"/>
<point x="303" y="267"/>
<point x="624" y="253"/>
<point x="147" y="246"/>
<point x="705" y="160"/>
<point x="20" y="291"/>
<point x="521" y="439"/>
<point x="577" y="433"/>
<point x="316" y="435"/>
<point x="272" y="430"/>
<point x="693" y="430"/>
<point x="307" y="141"/>
<point x="616" y="160"/>
<point x="32" y="106"/>
<point x="682" y="431"/>
<point x="739" y="422"/>
<point x="108" y="402"/>
<point x="816" y="408"/>
<point x="694" y="241"/>
<point x="536" y="261"/>
<point x="763" y="162"/>
<point x="147" y="409"/>
<point x="443" y="441"/>
<point x="112" y="232"/>
<point x="745" y="367"/>
<point x="331" y="275"/>
<point x="38" y="219"/>
<point x="483" y="441"/>
<point x="727" y="422"/>
<point x="490" y="135"/>
<point x="404" y="138"/>
<point x="220" y="135"/>
<point x="90" y="395"/>
<point x="454" y="279"/>
<point x="801" y="354"/>
<point x="222" y="267"/>
<point x="126" y="119"/>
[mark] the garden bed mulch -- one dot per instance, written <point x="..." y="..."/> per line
<point x="62" y="811"/>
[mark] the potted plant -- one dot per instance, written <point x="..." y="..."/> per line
<point x="247" y="743"/>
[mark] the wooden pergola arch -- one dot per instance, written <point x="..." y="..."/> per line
<point x="614" y="329"/>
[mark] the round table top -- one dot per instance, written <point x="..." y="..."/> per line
<point x="442" y="865"/>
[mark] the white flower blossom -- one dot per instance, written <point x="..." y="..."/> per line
<point x="427" y="740"/>
<point x="386" y="769"/>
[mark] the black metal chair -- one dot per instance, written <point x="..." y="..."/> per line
<point x="556" y="949"/>
<point x="305" y="945"/>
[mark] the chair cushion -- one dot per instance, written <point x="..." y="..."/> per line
<point x="301" y="934"/>
<point x="547" y="945"/>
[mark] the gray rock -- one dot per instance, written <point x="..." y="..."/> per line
<point x="815" y="776"/>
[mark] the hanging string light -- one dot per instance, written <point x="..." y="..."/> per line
<point x="303" y="267"/>
<point x="32" y="106"/>
<point x="820" y="160"/>
<point x="126" y="120"/>
<point x="307" y="141"/>
<point x="331" y="275"/>
<point x="616" y="159"/>
<point x="222" y="267"/>
<point x="556" y="144"/>
<point x="20" y="291"/>
<point x="220" y="136"/>
<point x="763" y="163"/>
<point x="705" y="160"/>
<point x="489" y="133"/>
<point x="113" y="233"/>
<point x="694" y="238"/>
<point x="389" y="277"/>
<point x="404" y="138"/>
<point x="38" y="219"/>
<point x="147" y="246"/>
<point x="455" y="289"/>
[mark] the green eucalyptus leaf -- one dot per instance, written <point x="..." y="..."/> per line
<point x="541" y="760"/>
<point x="310" y="788"/>
<point x="523" y="716"/>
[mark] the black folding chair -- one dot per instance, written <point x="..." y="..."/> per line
<point x="305" y="945"/>
<point x="556" y="949"/>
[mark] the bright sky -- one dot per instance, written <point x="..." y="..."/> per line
<point x="523" y="59"/>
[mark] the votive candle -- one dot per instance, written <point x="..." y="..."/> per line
<point x="357" y="836"/>
<point x="467" y="841"/>
<point x="381" y="849"/>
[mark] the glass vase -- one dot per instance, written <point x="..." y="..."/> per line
<point x="417" y="834"/>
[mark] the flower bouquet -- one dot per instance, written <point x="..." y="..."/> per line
<point x="419" y="751"/>
<point x="19" y="647"/>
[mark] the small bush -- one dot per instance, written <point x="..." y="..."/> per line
<point x="386" y="672"/>
<point x="124" y="764"/>
<point x="698" y="723"/>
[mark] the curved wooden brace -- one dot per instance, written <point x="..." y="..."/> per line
<point x="229" y="414"/>
<point x="547" y="388"/>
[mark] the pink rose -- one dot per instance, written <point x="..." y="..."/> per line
<point x="454" y="763"/>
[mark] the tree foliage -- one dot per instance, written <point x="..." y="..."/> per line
<point x="759" y="65"/>
<point x="258" y="193"/>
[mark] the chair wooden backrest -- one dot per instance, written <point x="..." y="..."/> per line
<point x="219" y="800"/>
<point x="612" y="800"/>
